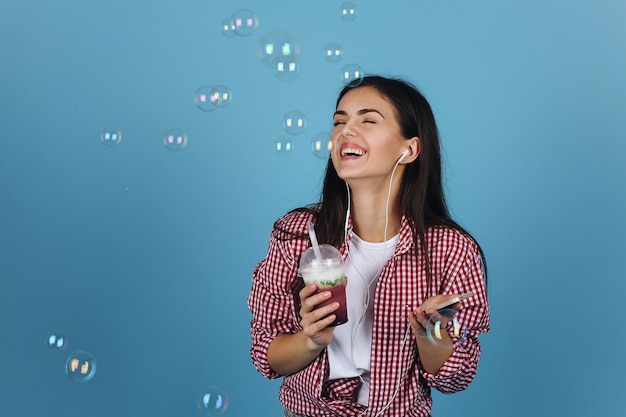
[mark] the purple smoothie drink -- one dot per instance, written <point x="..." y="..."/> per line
<point x="337" y="294"/>
<point x="325" y="269"/>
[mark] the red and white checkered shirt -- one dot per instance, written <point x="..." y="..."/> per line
<point x="398" y="384"/>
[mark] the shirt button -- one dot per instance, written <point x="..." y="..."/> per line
<point x="319" y="388"/>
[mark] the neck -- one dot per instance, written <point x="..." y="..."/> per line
<point x="374" y="219"/>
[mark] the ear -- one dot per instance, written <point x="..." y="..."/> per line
<point x="413" y="148"/>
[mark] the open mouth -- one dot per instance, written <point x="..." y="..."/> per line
<point x="352" y="152"/>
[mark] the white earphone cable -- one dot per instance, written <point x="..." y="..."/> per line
<point x="366" y="299"/>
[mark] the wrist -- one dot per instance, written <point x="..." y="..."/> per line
<point x="310" y="347"/>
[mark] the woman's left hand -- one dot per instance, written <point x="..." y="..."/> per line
<point x="419" y="317"/>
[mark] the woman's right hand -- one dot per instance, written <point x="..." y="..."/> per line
<point x="315" y="321"/>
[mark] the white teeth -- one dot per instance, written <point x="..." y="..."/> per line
<point x="352" y="152"/>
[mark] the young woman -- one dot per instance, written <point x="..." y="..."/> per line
<point x="383" y="207"/>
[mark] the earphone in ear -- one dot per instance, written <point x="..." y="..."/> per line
<point x="404" y="154"/>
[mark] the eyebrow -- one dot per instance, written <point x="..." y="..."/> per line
<point x="360" y="112"/>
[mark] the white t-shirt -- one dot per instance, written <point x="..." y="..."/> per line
<point x="349" y="351"/>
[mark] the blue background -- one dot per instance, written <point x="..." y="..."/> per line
<point x="143" y="257"/>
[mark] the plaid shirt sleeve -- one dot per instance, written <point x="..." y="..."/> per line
<point x="463" y="272"/>
<point x="271" y="300"/>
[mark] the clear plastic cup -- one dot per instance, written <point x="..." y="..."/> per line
<point x="326" y="271"/>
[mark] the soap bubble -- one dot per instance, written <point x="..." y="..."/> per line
<point x="347" y="11"/>
<point x="80" y="366"/>
<point x="206" y="99"/>
<point x="175" y="140"/>
<point x="294" y="122"/>
<point x="245" y="22"/>
<point x="283" y="146"/>
<point x="277" y="44"/>
<point x="56" y="341"/>
<point x="111" y="137"/>
<point x="227" y="27"/>
<point x="286" y="68"/>
<point x="222" y="94"/>
<point x="445" y="320"/>
<point x="351" y="74"/>
<point x="213" y="401"/>
<point x="333" y="52"/>
<point x="321" y="145"/>
<point x="209" y="98"/>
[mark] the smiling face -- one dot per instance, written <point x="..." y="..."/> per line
<point x="366" y="135"/>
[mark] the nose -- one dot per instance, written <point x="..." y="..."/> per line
<point x="341" y="131"/>
<point x="347" y="129"/>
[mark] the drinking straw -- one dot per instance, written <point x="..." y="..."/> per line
<point x="313" y="237"/>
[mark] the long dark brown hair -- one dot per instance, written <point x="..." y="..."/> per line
<point x="421" y="194"/>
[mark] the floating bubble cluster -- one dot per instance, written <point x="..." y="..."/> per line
<point x="209" y="98"/>
<point x="278" y="50"/>
<point x="245" y="22"/>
